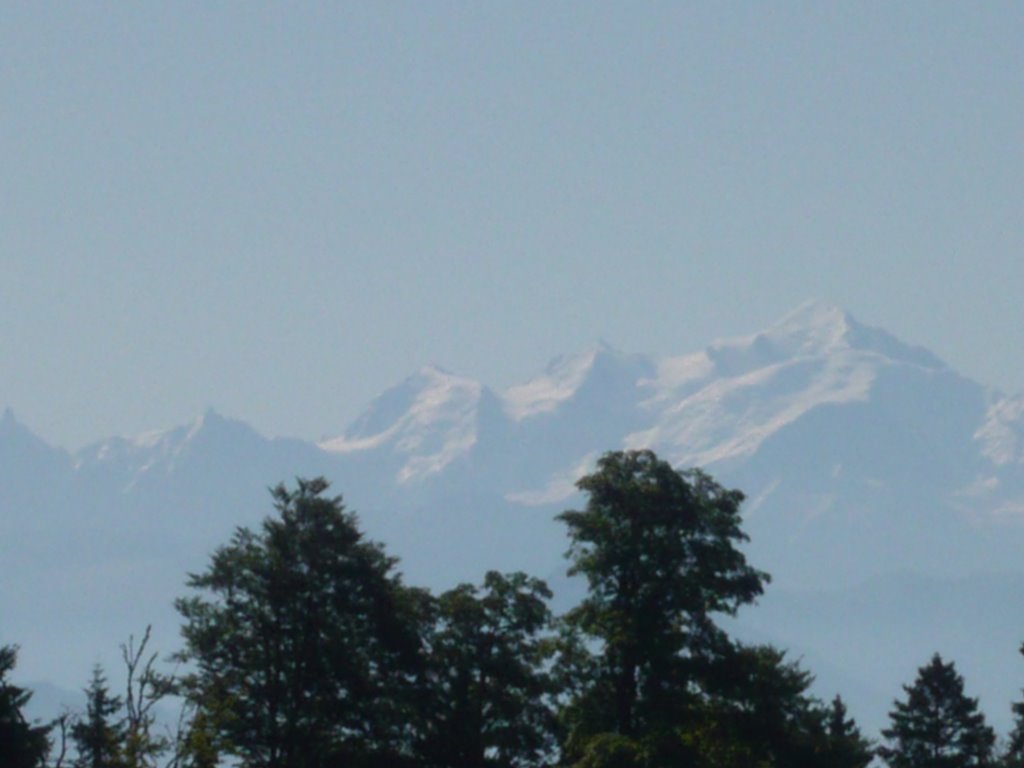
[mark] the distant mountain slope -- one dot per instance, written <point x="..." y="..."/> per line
<point x="860" y="455"/>
<point x="858" y="452"/>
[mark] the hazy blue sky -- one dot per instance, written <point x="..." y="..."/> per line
<point x="279" y="210"/>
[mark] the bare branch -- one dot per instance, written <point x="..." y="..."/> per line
<point x="145" y="688"/>
<point x="63" y="725"/>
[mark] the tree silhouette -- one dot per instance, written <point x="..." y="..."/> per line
<point x="846" y="744"/>
<point x="489" y="657"/>
<point x="937" y="725"/>
<point x="22" y="745"/>
<point x="99" y="736"/>
<point x="304" y="639"/>
<point x="658" y="549"/>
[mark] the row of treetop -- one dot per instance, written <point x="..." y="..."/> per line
<point x="303" y="648"/>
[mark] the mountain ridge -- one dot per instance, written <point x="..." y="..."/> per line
<point x="811" y="329"/>
<point x="821" y="419"/>
<point x="860" y="456"/>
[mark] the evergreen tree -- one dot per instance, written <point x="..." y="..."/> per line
<point x="846" y="744"/>
<point x="937" y="725"/>
<point x="1014" y="755"/>
<point x="759" y="712"/>
<point x="22" y="745"/>
<point x="198" y="743"/>
<point x="489" y="655"/>
<point x="306" y="643"/>
<point x="99" y="737"/>
<point x="659" y="551"/>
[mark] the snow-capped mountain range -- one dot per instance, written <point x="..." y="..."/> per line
<point x="861" y="456"/>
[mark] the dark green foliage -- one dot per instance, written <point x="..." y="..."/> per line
<point x="22" y="745"/>
<point x="99" y="736"/>
<point x="1014" y="755"/>
<point x="759" y="713"/>
<point x="306" y="643"/>
<point x="651" y="680"/>
<point x="310" y="653"/>
<point x="198" y="743"/>
<point x="659" y="551"/>
<point x="759" y="704"/>
<point x="488" y="657"/>
<point x="754" y="711"/>
<point x="611" y="750"/>
<point x="937" y="725"/>
<point x="846" y="744"/>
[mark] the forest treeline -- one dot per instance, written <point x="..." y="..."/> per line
<point x="304" y="648"/>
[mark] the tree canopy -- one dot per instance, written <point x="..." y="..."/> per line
<point x="306" y="650"/>
<point x="305" y="640"/>
<point x="659" y="551"/>
<point x="937" y="725"/>
<point x="100" y="736"/>
<point x="491" y="688"/>
<point x="22" y="744"/>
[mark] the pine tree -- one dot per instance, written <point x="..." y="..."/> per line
<point x="99" y="737"/>
<point x="1014" y="755"/>
<point x="937" y="725"/>
<point x="847" y="746"/>
<point x="760" y="713"/>
<point x="22" y="745"/>
<point x="198" y="742"/>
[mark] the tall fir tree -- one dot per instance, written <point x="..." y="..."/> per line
<point x="99" y="736"/>
<point x="22" y="745"/>
<point x="846" y="744"/>
<point x="1014" y="754"/>
<point x="937" y="725"/>
<point x="760" y="713"/>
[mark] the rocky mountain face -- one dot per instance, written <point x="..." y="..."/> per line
<point x="863" y="459"/>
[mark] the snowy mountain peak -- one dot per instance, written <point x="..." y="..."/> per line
<point x="213" y="429"/>
<point x="211" y="421"/>
<point x="162" y="450"/>
<point x="813" y="326"/>
<point x="433" y="374"/>
<point x="815" y="329"/>
<point x="1002" y="434"/>
<point x="427" y="420"/>
<point x="565" y="376"/>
